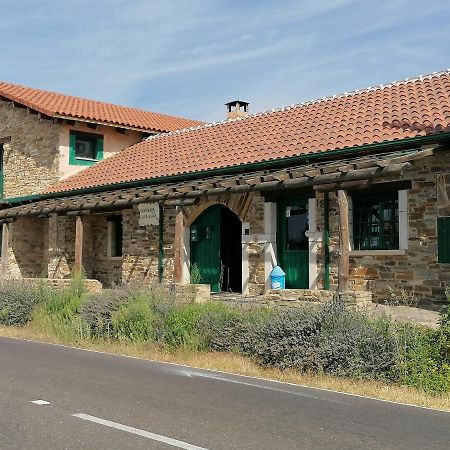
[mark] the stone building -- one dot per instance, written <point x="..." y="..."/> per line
<point x="46" y="136"/>
<point x="347" y="193"/>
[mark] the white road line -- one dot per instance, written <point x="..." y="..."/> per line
<point x="40" y="402"/>
<point x="270" y="388"/>
<point x="143" y="433"/>
<point x="181" y="368"/>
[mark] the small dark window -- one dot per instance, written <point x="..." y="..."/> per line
<point x="443" y="233"/>
<point x="116" y="236"/>
<point x="85" y="147"/>
<point x="375" y="222"/>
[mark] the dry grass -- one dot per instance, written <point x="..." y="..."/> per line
<point x="236" y="364"/>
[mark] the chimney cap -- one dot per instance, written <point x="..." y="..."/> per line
<point x="235" y="102"/>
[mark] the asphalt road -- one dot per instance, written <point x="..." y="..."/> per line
<point x="101" y="401"/>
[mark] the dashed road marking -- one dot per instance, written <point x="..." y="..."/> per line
<point x="137" y="431"/>
<point x="40" y="402"/>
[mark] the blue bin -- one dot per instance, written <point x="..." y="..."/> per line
<point x="277" y="278"/>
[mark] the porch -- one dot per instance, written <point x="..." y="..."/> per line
<point x="102" y="233"/>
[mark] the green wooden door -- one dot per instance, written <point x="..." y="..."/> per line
<point x="293" y="246"/>
<point x="205" y="246"/>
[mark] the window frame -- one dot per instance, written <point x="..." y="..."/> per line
<point x="388" y="201"/>
<point x="75" y="160"/>
<point x="403" y="219"/>
<point x="113" y="235"/>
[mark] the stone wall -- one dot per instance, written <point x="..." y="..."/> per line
<point x="91" y="286"/>
<point x="59" y="243"/>
<point x="25" y="252"/>
<point x="30" y="160"/>
<point x="414" y="273"/>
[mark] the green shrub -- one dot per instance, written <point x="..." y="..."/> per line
<point x="59" y="312"/>
<point x="17" y="301"/>
<point x="98" y="310"/>
<point x="134" y="321"/>
<point x="330" y="339"/>
<point x="187" y="325"/>
<point x="425" y="363"/>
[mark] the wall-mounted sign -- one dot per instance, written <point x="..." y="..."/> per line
<point x="148" y="214"/>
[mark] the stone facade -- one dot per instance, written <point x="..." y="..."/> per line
<point x="38" y="154"/>
<point x="413" y="273"/>
<point x="30" y="160"/>
<point x="45" y="246"/>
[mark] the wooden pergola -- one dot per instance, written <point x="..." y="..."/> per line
<point x="326" y="176"/>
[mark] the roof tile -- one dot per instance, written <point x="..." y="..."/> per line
<point x="400" y="110"/>
<point x="53" y="104"/>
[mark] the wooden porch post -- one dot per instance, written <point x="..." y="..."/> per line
<point x="5" y="250"/>
<point x="78" y="246"/>
<point x="179" y="232"/>
<point x="344" y="240"/>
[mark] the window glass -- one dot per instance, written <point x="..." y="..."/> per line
<point x="375" y="222"/>
<point x="297" y="225"/>
<point x="85" y="147"/>
<point x="116" y="231"/>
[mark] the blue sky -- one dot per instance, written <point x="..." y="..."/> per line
<point x="189" y="57"/>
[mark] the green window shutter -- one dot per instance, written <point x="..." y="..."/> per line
<point x="72" y="144"/>
<point x="99" y="149"/>
<point x="443" y="232"/>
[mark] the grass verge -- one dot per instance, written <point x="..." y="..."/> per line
<point x="239" y="365"/>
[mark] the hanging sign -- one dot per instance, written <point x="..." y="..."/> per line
<point x="148" y="214"/>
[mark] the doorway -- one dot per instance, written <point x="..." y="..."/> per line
<point x="293" y="243"/>
<point x="216" y="249"/>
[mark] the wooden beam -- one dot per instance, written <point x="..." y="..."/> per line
<point x="347" y="185"/>
<point x="344" y="240"/>
<point x="179" y="233"/>
<point x="342" y="172"/>
<point x="78" y="267"/>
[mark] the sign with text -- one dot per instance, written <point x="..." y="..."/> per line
<point x="148" y="214"/>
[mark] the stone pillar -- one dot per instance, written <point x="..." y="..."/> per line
<point x="245" y="262"/>
<point x="270" y="230"/>
<point x="179" y="238"/>
<point x="54" y="248"/>
<point x="314" y="240"/>
<point x="78" y="266"/>
<point x="5" y="250"/>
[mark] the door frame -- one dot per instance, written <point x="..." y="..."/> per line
<point x="282" y="204"/>
<point x="314" y="235"/>
<point x="186" y="252"/>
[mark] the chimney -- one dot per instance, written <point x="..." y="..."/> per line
<point x="237" y="108"/>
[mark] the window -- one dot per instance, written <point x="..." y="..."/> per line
<point x="376" y="221"/>
<point x="115" y="236"/>
<point x="296" y="227"/>
<point x="443" y="234"/>
<point x="85" y="149"/>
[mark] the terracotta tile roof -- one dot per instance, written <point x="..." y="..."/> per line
<point x="53" y="105"/>
<point x="404" y="109"/>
